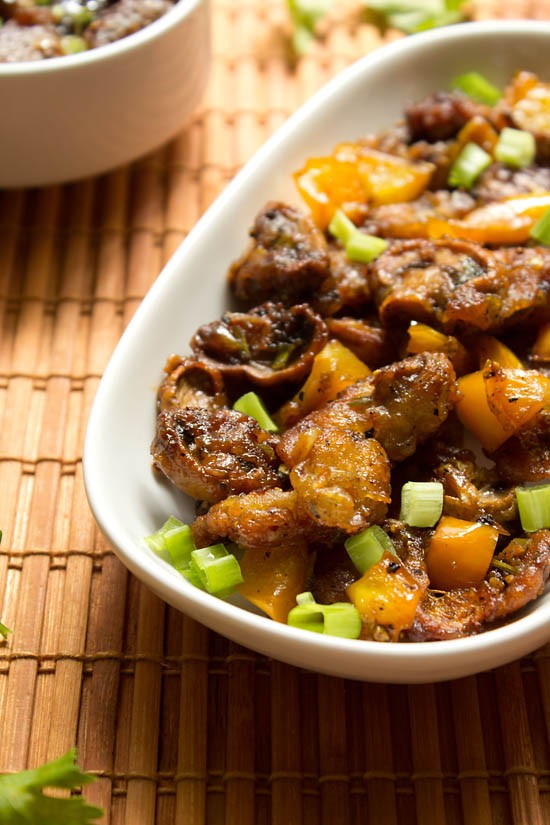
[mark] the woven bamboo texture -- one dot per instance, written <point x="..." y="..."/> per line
<point x="178" y="724"/>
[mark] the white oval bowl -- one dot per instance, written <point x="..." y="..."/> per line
<point x="67" y="118"/>
<point x="129" y="502"/>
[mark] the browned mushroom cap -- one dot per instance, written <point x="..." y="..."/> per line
<point x="287" y="262"/>
<point x="418" y="279"/>
<point x="367" y="339"/>
<point x="270" y="345"/>
<point x="441" y="115"/>
<point x="190" y="383"/>
<point x="210" y="455"/>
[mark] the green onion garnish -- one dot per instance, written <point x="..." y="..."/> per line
<point x="341" y="227"/>
<point x="421" y="503"/>
<point x="341" y="619"/>
<point x="478" y="88"/>
<point x="367" y="547"/>
<point x="179" y="543"/>
<point x="4" y="631"/>
<point x="365" y="248"/>
<point x="157" y="540"/>
<point x="515" y="147"/>
<point x="468" y="166"/>
<point x="218" y="571"/>
<point x="534" y="507"/>
<point x="250" y="404"/>
<point x="541" y="230"/>
<point x="359" y="246"/>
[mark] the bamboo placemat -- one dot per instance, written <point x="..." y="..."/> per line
<point x="180" y="725"/>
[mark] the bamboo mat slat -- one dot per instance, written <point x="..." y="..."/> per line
<point x="178" y="724"/>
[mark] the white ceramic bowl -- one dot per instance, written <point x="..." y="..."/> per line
<point x="71" y="117"/>
<point x="128" y="500"/>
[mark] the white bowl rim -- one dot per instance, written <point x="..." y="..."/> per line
<point x="535" y="625"/>
<point x="110" y="51"/>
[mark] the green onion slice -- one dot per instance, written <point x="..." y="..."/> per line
<point x="515" y="147"/>
<point x="157" y="540"/>
<point x="341" y="619"/>
<point x="468" y="166"/>
<point x="541" y="230"/>
<point x="365" y="248"/>
<point x="180" y="545"/>
<point x="366" y="548"/>
<point x="341" y="227"/>
<point x="4" y="631"/>
<point x="476" y="86"/>
<point x="534" y="507"/>
<point x="250" y="404"/>
<point x="421" y="503"/>
<point x="218" y="570"/>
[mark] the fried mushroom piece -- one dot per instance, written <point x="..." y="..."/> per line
<point x="440" y="116"/>
<point x="122" y="18"/>
<point x="457" y="613"/>
<point x="332" y="574"/>
<point x="366" y="338"/>
<point x="210" y="455"/>
<point x="190" y="383"/>
<point x="400" y="405"/>
<point x="344" y="481"/>
<point x="417" y="279"/>
<point x="264" y="518"/>
<point x="499" y="182"/>
<point x="526" y="456"/>
<point x="268" y="346"/>
<point x="458" y="286"/>
<point x="36" y="42"/>
<point x="287" y="262"/>
<point x="406" y="402"/>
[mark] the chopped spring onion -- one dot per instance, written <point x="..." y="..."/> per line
<point x="157" y="540"/>
<point x="541" y="230"/>
<point x="365" y="248"/>
<point x="421" y="503"/>
<point x="515" y="147"/>
<point x="250" y="404"/>
<point x="534" y="507"/>
<point x="366" y="548"/>
<point x="468" y="166"/>
<point x="478" y="88"/>
<point x="4" y="631"/>
<point x="341" y="227"/>
<point x="341" y="619"/>
<point x="359" y="246"/>
<point x="179" y="543"/>
<point x="218" y="571"/>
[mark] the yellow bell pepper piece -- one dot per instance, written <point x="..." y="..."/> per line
<point x="334" y="368"/>
<point x="541" y="347"/>
<point x="459" y="553"/>
<point x="491" y="349"/>
<point x="423" y="338"/>
<point x="274" y="577"/>
<point x="327" y="184"/>
<point x="388" y="595"/>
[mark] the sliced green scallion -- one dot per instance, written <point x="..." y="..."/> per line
<point x="534" y="507"/>
<point x="341" y="619"/>
<point x="157" y="540"/>
<point x="478" y="88"/>
<point x="365" y="248"/>
<point x="366" y="548"/>
<point x="468" y="166"/>
<point x="179" y="543"/>
<point x="250" y="404"/>
<point x="218" y="570"/>
<point x="4" y="631"/>
<point x="515" y="147"/>
<point x="341" y="227"/>
<point x="541" y="230"/>
<point x="421" y="503"/>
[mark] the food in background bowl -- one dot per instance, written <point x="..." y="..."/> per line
<point x="32" y="30"/>
<point x="323" y="428"/>
<point x="130" y="502"/>
<point x="70" y="117"/>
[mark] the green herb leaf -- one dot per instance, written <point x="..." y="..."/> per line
<point x="22" y="801"/>
<point x="410" y="16"/>
<point x="305" y="14"/>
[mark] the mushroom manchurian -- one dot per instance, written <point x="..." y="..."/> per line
<point x="394" y="334"/>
